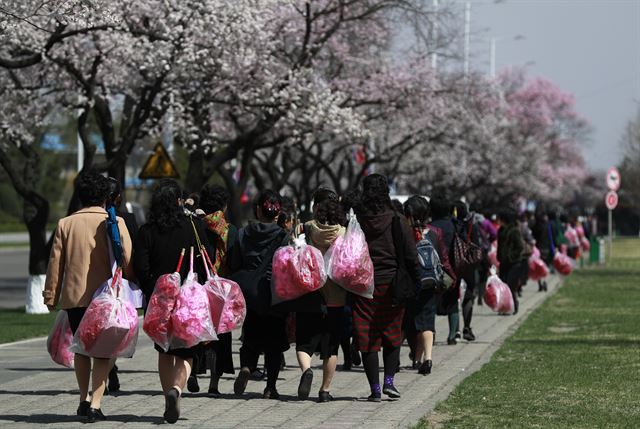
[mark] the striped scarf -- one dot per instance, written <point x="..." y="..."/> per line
<point x="217" y="223"/>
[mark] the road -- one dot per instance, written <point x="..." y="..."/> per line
<point x="14" y="270"/>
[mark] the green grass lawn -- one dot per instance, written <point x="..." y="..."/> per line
<point x="575" y="362"/>
<point x="17" y="325"/>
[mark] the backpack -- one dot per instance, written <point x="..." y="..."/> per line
<point x="431" y="272"/>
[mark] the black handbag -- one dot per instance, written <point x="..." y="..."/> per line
<point x="255" y="284"/>
<point x="403" y="286"/>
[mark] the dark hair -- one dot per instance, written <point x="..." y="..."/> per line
<point x="93" y="189"/>
<point x="375" y="194"/>
<point x="440" y="207"/>
<point x="508" y="216"/>
<point x="270" y="202"/>
<point x="397" y="205"/>
<point x="165" y="212"/>
<point x="213" y="198"/>
<point x="322" y="194"/>
<point x="350" y="200"/>
<point x="329" y="212"/>
<point x="196" y="200"/>
<point x="114" y="188"/>
<point x="417" y="208"/>
<point x="461" y="209"/>
<point x="287" y="211"/>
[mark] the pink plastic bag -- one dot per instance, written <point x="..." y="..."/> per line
<point x="348" y="263"/>
<point x="537" y="268"/>
<point x="585" y="244"/>
<point x="296" y="271"/>
<point x="493" y="254"/>
<point x="191" y="322"/>
<point x="59" y="341"/>
<point x="497" y="295"/>
<point x="157" y="319"/>
<point x="562" y="264"/>
<point x="572" y="236"/>
<point x="109" y="328"/>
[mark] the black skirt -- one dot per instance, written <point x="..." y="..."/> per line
<point x="320" y="333"/>
<point x="425" y="311"/>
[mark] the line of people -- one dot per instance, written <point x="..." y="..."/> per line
<point x="321" y="321"/>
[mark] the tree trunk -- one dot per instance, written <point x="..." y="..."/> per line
<point x="195" y="179"/>
<point x="36" y="213"/>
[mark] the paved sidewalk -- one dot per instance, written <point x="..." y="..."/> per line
<point x="34" y="391"/>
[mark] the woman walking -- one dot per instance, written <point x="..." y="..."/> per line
<point x="78" y="265"/>
<point x="264" y="329"/>
<point x="320" y="330"/>
<point x="423" y="313"/>
<point x="222" y="236"/>
<point x="157" y="251"/>
<point x="510" y="252"/>
<point x="377" y="321"/>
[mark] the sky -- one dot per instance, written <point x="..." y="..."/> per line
<point x="590" y="48"/>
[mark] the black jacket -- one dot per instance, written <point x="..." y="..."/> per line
<point x="254" y="241"/>
<point x="157" y="252"/>
<point x="378" y="232"/>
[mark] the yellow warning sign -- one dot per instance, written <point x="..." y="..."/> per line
<point x="159" y="165"/>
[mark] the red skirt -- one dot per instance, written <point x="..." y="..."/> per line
<point x="377" y="322"/>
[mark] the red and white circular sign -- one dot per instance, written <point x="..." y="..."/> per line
<point x="613" y="179"/>
<point x="611" y="200"/>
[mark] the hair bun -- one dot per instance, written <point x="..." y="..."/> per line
<point x="270" y="207"/>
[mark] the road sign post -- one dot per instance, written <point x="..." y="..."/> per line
<point x="611" y="201"/>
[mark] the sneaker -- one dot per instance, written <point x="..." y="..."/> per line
<point x="172" y="406"/>
<point x="240" y="384"/>
<point x="257" y="375"/>
<point x="391" y="391"/>
<point x="467" y="334"/>
<point x="114" y="382"/>
<point x="324" y="396"/>
<point x="375" y="397"/>
<point x="83" y="408"/>
<point x="304" y="388"/>
<point x="458" y="336"/>
<point x="452" y="341"/>
<point x="270" y="393"/>
<point x="94" y="415"/>
<point x="192" y="384"/>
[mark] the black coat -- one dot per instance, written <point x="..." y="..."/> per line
<point x="157" y="252"/>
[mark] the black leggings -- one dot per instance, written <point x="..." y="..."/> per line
<point x="272" y="360"/>
<point x="391" y="358"/>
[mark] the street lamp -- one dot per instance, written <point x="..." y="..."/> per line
<point x="494" y="40"/>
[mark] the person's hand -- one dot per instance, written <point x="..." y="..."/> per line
<point x="51" y="308"/>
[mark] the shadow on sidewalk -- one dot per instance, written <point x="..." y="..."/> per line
<point x="56" y="418"/>
<point x="75" y="392"/>
<point x="59" y="369"/>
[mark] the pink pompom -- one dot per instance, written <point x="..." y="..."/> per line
<point x="191" y="319"/>
<point x="498" y="296"/>
<point x="348" y="261"/>
<point x="562" y="264"/>
<point x="226" y="303"/>
<point x="296" y="271"/>
<point x="157" y="320"/>
<point x="59" y="341"/>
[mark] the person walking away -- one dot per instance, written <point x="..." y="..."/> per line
<point x="447" y="302"/>
<point x="543" y="237"/>
<point x="510" y="252"/>
<point x="79" y="263"/>
<point x="320" y="330"/>
<point x="157" y="251"/>
<point x="264" y="328"/>
<point x="378" y="321"/>
<point x="222" y="236"/>
<point x="467" y="228"/>
<point x="423" y="313"/>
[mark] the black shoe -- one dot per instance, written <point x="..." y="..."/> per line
<point x="414" y="365"/>
<point x="172" y="406"/>
<point x="83" y="408"/>
<point x="214" y="392"/>
<point x="304" y="388"/>
<point x="425" y="367"/>
<point x="241" y="381"/>
<point x="458" y="336"/>
<point x="324" y="396"/>
<point x="375" y="397"/>
<point x="93" y="415"/>
<point x="391" y="391"/>
<point x="271" y="393"/>
<point x="257" y="375"/>
<point x="452" y="341"/>
<point x="114" y="382"/>
<point x="467" y="334"/>
<point x="346" y="366"/>
<point x="192" y="384"/>
<point x="283" y="363"/>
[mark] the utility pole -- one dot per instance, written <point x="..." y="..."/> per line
<point x="467" y="36"/>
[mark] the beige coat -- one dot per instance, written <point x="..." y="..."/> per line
<point x="79" y="262"/>
<point x="322" y="237"/>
